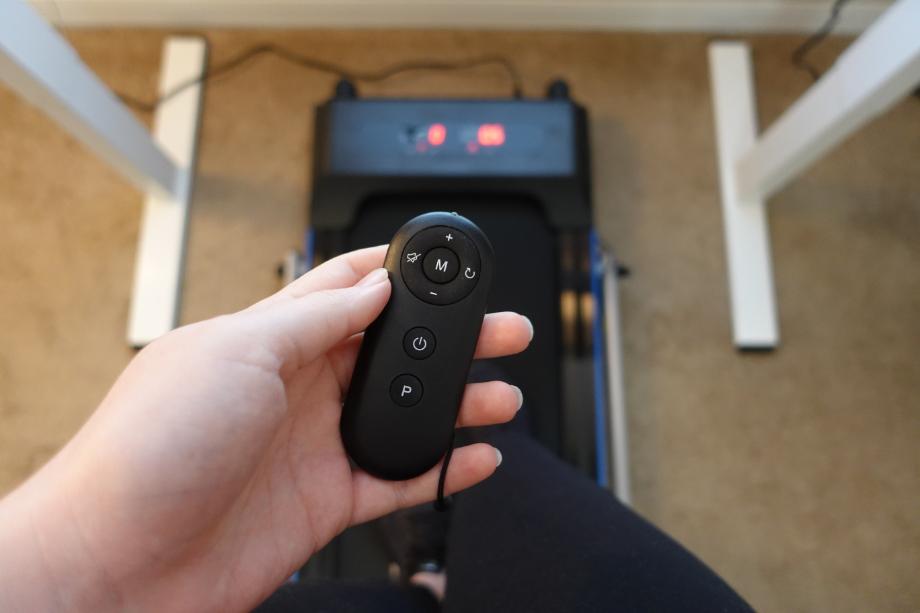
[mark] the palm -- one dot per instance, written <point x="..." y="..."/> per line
<point x="293" y="493"/>
<point x="305" y="476"/>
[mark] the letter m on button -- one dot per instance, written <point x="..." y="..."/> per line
<point x="441" y="265"/>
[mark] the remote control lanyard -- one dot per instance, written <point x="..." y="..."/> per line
<point x="442" y="503"/>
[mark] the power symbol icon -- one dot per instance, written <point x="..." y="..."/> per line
<point x="419" y="343"/>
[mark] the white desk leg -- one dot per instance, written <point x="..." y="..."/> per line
<point x="39" y="64"/>
<point x="747" y="240"/>
<point x="877" y="70"/>
<point x="160" y="261"/>
<point x="42" y="67"/>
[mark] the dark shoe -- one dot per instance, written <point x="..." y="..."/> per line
<point x="416" y="539"/>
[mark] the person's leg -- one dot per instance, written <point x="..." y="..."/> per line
<point x="539" y="536"/>
<point x="349" y="597"/>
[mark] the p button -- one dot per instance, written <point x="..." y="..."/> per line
<point x="406" y="390"/>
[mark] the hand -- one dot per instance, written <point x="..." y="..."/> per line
<point x="214" y="467"/>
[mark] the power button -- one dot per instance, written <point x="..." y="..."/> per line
<point x="419" y="343"/>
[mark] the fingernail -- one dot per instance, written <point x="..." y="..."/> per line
<point x="498" y="457"/>
<point x="378" y="275"/>
<point x="529" y="325"/>
<point x="520" y="396"/>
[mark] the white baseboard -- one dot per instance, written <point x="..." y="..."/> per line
<point x="713" y="16"/>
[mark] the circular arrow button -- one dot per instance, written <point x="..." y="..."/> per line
<point x="419" y="343"/>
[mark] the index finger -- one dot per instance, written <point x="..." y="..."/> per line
<point x="341" y="271"/>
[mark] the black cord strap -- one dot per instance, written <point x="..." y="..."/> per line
<point x="442" y="503"/>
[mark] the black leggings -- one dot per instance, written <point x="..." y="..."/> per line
<point x="539" y="536"/>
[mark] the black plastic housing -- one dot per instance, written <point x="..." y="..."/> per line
<point x="395" y="442"/>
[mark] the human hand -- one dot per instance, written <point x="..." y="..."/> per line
<point x="214" y="467"/>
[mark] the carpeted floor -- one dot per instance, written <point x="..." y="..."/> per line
<point x="795" y="474"/>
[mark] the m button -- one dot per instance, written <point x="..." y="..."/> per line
<point x="441" y="265"/>
<point x="406" y="390"/>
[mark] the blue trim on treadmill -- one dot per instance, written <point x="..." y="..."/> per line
<point x="600" y="419"/>
<point x="309" y="245"/>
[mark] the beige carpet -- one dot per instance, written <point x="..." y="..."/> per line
<point x="796" y="474"/>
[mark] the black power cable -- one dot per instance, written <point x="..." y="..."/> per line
<point x="800" y="55"/>
<point x="367" y="76"/>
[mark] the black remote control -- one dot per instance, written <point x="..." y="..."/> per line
<point x="400" y="412"/>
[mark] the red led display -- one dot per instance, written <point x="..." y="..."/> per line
<point x="437" y="134"/>
<point x="491" y="135"/>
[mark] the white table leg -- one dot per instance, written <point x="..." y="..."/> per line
<point x="878" y="69"/>
<point x="40" y="65"/>
<point x="747" y="240"/>
<point x="159" y="268"/>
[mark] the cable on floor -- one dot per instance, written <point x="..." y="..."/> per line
<point x="800" y="55"/>
<point x="343" y="72"/>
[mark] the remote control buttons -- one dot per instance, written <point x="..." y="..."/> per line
<point x="419" y="343"/>
<point x="406" y="390"/>
<point x="440" y="265"/>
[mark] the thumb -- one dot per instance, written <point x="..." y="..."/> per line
<point x="303" y="328"/>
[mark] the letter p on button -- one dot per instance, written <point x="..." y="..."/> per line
<point x="406" y="390"/>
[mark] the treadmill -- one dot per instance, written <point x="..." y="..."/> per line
<point x="520" y="169"/>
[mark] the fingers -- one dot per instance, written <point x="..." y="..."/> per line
<point x="301" y="328"/>
<point x="375" y="497"/>
<point x="485" y="404"/>
<point x="502" y="334"/>
<point x="341" y="271"/>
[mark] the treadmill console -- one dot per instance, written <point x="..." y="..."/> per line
<point x="532" y="148"/>
<point x="485" y="138"/>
